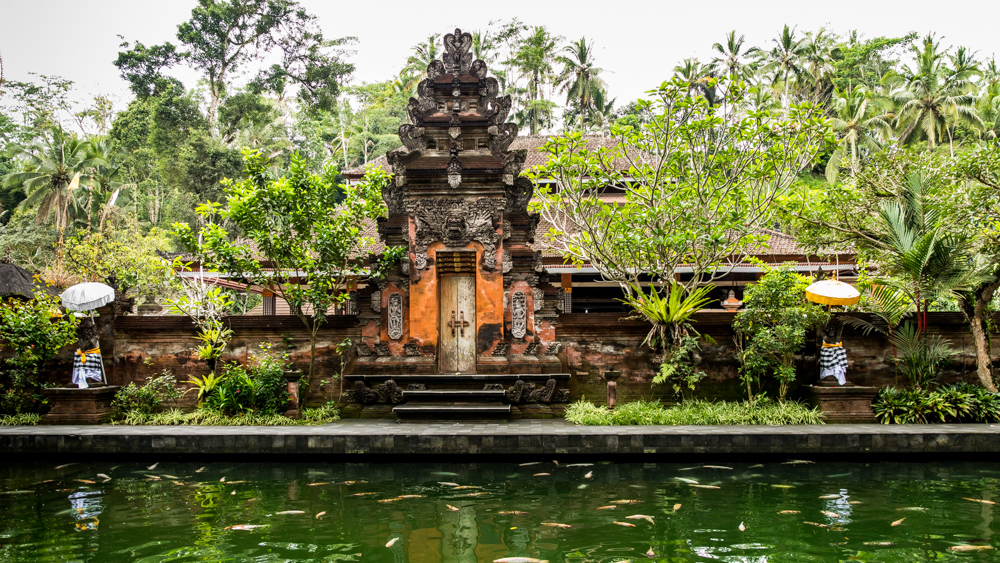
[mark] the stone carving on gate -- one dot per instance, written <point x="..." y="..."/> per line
<point x="377" y="301"/>
<point x="456" y="222"/>
<point x="518" y="314"/>
<point x="538" y="298"/>
<point x="395" y="316"/>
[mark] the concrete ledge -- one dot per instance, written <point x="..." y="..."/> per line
<point x="517" y="438"/>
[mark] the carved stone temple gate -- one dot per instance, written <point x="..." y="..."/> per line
<point x="466" y="324"/>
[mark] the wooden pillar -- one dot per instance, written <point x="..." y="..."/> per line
<point x="567" y="292"/>
<point x="270" y="302"/>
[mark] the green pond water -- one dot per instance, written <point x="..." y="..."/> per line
<point x="423" y="512"/>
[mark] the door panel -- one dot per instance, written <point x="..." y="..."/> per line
<point x="457" y="321"/>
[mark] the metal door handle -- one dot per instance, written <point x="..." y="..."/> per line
<point x="461" y="322"/>
<point x="452" y="323"/>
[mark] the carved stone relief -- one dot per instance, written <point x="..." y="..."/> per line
<point x="377" y="301"/>
<point x="457" y="58"/>
<point x="518" y="315"/>
<point x="456" y="222"/>
<point x="538" y="297"/>
<point x="395" y="314"/>
<point x="508" y="262"/>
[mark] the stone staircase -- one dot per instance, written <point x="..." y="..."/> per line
<point x="469" y="397"/>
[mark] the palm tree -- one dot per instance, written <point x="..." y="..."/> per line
<point x="416" y="64"/>
<point x="733" y="59"/>
<point x="698" y="78"/>
<point x="819" y="53"/>
<point x="580" y="79"/>
<point x="786" y="60"/>
<point x="534" y="59"/>
<point x="858" y="119"/>
<point x="56" y="166"/>
<point x="932" y="98"/>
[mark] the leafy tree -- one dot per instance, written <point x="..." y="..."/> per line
<point x="858" y="120"/>
<point x="733" y="60"/>
<point x="534" y="59"/>
<point x="773" y="323"/>
<point x="290" y="224"/>
<point x="786" y="60"/>
<point x="695" y="185"/>
<point x="867" y="63"/>
<point x="580" y="79"/>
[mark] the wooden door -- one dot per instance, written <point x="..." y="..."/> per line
<point x="457" y="344"/>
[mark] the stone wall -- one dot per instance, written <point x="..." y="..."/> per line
<point x="595" y="342"/>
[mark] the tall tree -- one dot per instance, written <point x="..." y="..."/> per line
<point x="786" y="61"/>
<point x="534" y="59"/>
<point x="580" y="79"/>
<point x="858" y="119"/>
<point x="733" y="59"/>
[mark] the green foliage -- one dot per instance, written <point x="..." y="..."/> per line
<point x="324" y="414"/>
<point x="205" y="385"/>
<point x="125" y="249"/>
<point x="920" y="356"/>
<point x="23" y="419"/>
<point x="257" y="387"/>
<point x="961" y="402"/>
<point x="772" y="326"/>
<point x="761" y="411"/>
<point x="206" y="417"/>
<point x="34" y="331"/>
<point x="144" y="399"/>
<point x="214" y="338"/>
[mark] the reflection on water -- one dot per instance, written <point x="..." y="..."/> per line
<point x="403" y="512"/>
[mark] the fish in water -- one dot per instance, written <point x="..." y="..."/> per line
<point x="688" y="468"/>
<point x="223" y="480"/>
<point x="460" y="487"/>
<point x="650" y="554"/>
<point x="897" y="522"/>
<point x="541" y="474"/>
<point x="912" y="509"/>
<point x="830" y="497"/>
<point x="65" y="465"/>
<point x="581" y="487"/>
<point x="579" y="465"/>
<point x="785" y="487"/>
<point x="316" y="484"/>
<point x="448" y="484"/>
<point x="641" y="517"/>
<point x="233" y="493"/>
<point x="677" y="507"/>
<point x="743" y="527"/>
<point x="685" y="480"/>
<point x="627" y="501"/>
<point x="818" y="525"/>
<point x="362" y="494"/>
<point x="556" y="525"/>
<point x="512" y="512"/>
<point x="445" y="473"/>
<point x="85" y="481"/>
<point x="797" y="462"/>
<point x="970" y="547"/>
<point x="854" y="502"/>
<point x="979" y="500"/>
<point x="412" y="496"/>
<point x="529" y="463"/>
<point x="388" y="500"/>
<point x="588" y="475"/>
<point x="626" y="524"/>
<point x="476" y="494"/>
<point x="174" y="477"/>
<point x="353" y="482"/>
<point x="291" y="512"/>
<point x="320" y="514"/>
<point x="717" y="467"/>
<point x="555" y="462"/>
<point x="453" y="508"/>
<point x="103" y="476"/>
<point x="200" y="469"/>
<point x="830" y="514"/>
<point x="706" y="486"/>
<point x="392" y="542"/>
<point x="756" y="465"/>
<point x="246" y="526"/>
<point x="609" y="507"/>
<point x="17" y="492"/>
<point x="880" y="543"/>
<point x="789" y="512"/>
<point x="152" y="467"/>
<point x="520" y="560"/>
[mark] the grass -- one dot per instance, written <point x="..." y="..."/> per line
<point x="204" y="417"/>
<point x="23" y="419"/>
<point x="647" y="413"/>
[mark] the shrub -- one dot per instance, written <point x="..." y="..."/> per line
<point x="321" y="415"/>
<point x="961" y="402"/>
<point x="258" y="387"/>
<point x="205" y="417"/>
<point x="144" y="399"/>
<point x="23" y="419"/>
<point x="761" y="411"/>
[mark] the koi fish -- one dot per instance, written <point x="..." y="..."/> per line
<point x="818" y="525"/>
<point x="756" y="465"/>
<point x="970" y="547"/>
<point x="706" y="486"/>
<point x="797" y="462"/>
<point x="520" y="560"/>
<point x="881" y="543"/>
<point x="830" y="497"/>
<point x="650" y="554"/>
<point x="640" y="517"/>
<point x="362" y="494"/>
<point x="316" y="484"/>
<point x="65" y="465"/>
<point x="412" y="496"/>
<point x="453" y="508"/>
<point x="291" y="512"/>
<point x="609" y="507"/>
<point x="246" y="526"/>
<point x="979" y="500"/>
<point x="541" y="474"/>
<point x="677" y="507"/>
<point x="684" y="480"/>
<point x="447" y="484"/>
<point x="461" y="487"/>
<point x="626" y="524"/>
<point x="103" y="476"/>
<point x="529" y="463"/>
<point x="556" y="525"/>
<point x="579" y="465"/>
<point x="172" y="477"/>
<point x="830" y="514"/>
<point x="717" y="467"/>
<point x="85" y="481"/>
<point x="897" y="522"/>
<point x="476" y="494"/>
<point x="388" y="500"/>
<point x="320" y="514"/>
<point x="627" y="501"/>
<point x="588" y="475"/>
<point x="785" y="487"/>
<point x="789" y="512"/>
<point x="742" y="527"/>
<point x="512" y="512"/>
<point x="392" y="542"/>
<point x="151" y="467"/>
<point x="200" y="469"/>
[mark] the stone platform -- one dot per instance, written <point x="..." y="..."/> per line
<point x="362" y="439"/>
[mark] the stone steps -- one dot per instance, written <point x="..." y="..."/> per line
<point x="428" y="411"/>
<point x="454" y="395"/>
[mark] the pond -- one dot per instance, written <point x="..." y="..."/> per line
<point x="543" y="509"/>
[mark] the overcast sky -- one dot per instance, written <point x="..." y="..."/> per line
<point x="638" y="42"/>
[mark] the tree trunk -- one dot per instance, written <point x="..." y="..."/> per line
<point x="974" y="306"/>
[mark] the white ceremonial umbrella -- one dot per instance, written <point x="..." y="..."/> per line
<point x="87" y="296"/>
<point x="832" y="292"/>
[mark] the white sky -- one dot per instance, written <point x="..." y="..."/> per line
<point x="637" y="41"/>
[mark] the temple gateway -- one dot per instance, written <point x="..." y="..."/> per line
<point x="465" y="325"/>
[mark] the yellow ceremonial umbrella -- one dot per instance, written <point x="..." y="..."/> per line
<point x="832" y="292"/>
